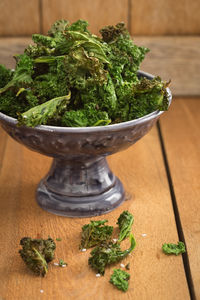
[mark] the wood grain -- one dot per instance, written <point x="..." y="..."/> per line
<point x="98" y="13"/>
<point x="19" y="17"/>
<point x="10" y="47"/>
<point x="181" y="132"/>
<point x="165" y="17"/>
<point x="3" y="140"/>
<point x="176" y="58"/>
<point x="153" y="274"/>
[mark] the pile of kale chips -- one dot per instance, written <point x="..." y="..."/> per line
<point x="71" y="77"/>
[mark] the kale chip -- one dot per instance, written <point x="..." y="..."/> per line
<point x="36" y="253"/>
<point x="95" y="233"/>
<point x="120" y="278"/>
<point x="173" y="248"/>
<point x="97" y="74"/>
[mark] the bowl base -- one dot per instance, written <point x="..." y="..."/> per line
<point x="88" y="206"/>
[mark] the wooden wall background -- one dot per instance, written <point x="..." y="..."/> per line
<point x="169" y="28"/>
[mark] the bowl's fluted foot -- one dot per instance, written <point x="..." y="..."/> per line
<point x="80" y="188"/>
<point x="88" y="206"/>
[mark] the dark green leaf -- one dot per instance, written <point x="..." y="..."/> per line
<point x="36" y="253"/>
<point x="120" y="278"/>
<point x="125" y="222"/>
<point x="173" y="248"/>
<point x="108" y="253"/>
<point x="95" y="233"/>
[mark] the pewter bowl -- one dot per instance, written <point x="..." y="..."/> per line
<point x="80" y="182"/>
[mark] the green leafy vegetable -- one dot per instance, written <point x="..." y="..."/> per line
<point x="5" y="76"/>
<point x="42" y="113"/>
<point x="36" y="253"/>
<point x="99" y="72"/>
<point x="90" y="115"/>
<point x="22" y="75"/>
<point x="58" y="239"/>
<point x="125" y="222"/>
<point x="173" y="248"/>
<point x="62" y="263"/>
<point x="95" y="233"/>
<point x="120" y="278"/>
<point x="108" y="253"/>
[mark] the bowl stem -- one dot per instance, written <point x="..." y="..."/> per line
<point x="80" y="187"/>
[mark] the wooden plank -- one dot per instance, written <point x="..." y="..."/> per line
<point x="10" y="47"/>
<point x="3" y="140"/>
<point x="175" y="58"/>
<point x="98" y="13"/>
<point x="180" y="129"/>
<point x="153" y="274"/>
<point x="165" y="17"/>
<point x="19" y="17"/>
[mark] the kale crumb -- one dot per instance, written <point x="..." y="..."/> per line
<point x="120" y="279"/>
<point x="173" y="248"/>
<point x="58" y="239"/>
<point x="62" y="263"/>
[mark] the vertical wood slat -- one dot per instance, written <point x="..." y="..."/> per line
<point x="19" y="17"/>
<point x="165" y="17"/>
<point x="98" y="13"/>
<point x="180" y="130"/>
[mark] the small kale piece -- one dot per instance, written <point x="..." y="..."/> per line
<point x="5" y="76"/>
<point x="22" y="76"/>
<point x="88" y="116"/>
<point x="120" y="278"/>
<point x="110" y="33"/>
<point x="142" y="98"/>
<point x="42" y="113"/>
<point x="124" y="56"/>
<point x="125" y="222"/>
<point x="95" y="233"/>
<point x="62" y="263"/>
<point x="36" y="253"/>
<point x="108" y="253"/>
<point x="173" y="248"/>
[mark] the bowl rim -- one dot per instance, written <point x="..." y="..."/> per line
<point x="112" y="127"/>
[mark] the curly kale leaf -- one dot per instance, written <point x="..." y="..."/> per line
<point x="149" y="96"/>
<point x="81" y="70"/>
<point x="108" y="253"/>
<point x="11" y="105"/>
<point x="142" y="98"/>
<point x="88" y="116"/>
<point x="110" y="33"/>
<point x="120" y="278"/>
<point x="124" y="56"/>
<point x="22" y="76"/>
<point x="5" y="76"/>
<point x="42" y="113"/>
<point x="95" y="233"/>
<point x="36" y="253"/>
<point x="58" y="27"/>
<point x="173" y="248"/>
<point x="125" y="222"/>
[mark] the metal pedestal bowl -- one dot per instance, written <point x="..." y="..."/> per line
<point x="80" y="182"/>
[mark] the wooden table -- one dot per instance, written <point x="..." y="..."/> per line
<point x="161" y="173"/>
